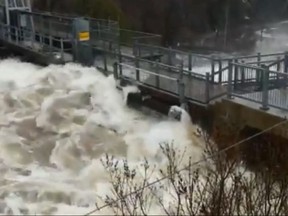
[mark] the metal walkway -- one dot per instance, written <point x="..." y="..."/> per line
<point x="138" y="58"/>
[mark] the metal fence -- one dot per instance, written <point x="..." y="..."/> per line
<point x="48" y="35"/>
<point x="275" y="61"/>
<point x="170" y="79"/>
<point x="37" y="42"/>
<point x="258" y="84"/>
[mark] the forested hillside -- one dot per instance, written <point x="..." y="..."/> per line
<point x="177" y="20"/>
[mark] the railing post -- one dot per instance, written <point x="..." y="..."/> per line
<point x="120" y="62"/>
<point x="169" y="58"/>
<point x="157" y="78"/>
<point x="105" y="60"/>
<point x="286" y="62"/>
<point x="17" y="35"/>
<point x="62" y="49"/>
<point x="235" y="74"/>
<point x="230" y="79"/>
<point x="278" y="68"/>
<point x="137" y="65"/>
<point x="207" y="88"/>
<point x="190" y="62"/>
<point x="181" y="87"/>
<point x="212" y="70"/>
<point x="220" y="72"/>
<point x="115" y="71"/>
<point x="33" y="39"/>
<point x="242" y="74"/>
<point x="265" y="89"/>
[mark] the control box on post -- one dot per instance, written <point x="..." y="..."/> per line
<point x="82" y="49"/>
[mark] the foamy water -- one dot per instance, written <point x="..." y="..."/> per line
<point x="57" y="122"/>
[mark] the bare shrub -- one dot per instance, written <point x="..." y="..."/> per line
<point x="217" y="187"/>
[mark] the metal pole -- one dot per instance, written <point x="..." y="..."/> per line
<point x="265" y="90"/>
<point x="242" y="74"/>
<point x="212" y="70"/>
<point x="169" y="58"/>
<point x="62" y="49"/>
<point x="190" y="62"/>
<point x="235" y="74"/>
<point x="157" y="78"/>
<point x="230" y="80"/>
<point x="207" y="88"/>
<point x="220" y="72"/>
<point x="286" y="62"/>
<point x="258" y="73"/>
<point x="137" y="65"/>
<point x="115" y="71"/>
<point x="181" y="87"/>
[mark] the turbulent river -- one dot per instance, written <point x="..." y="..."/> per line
<point x="57" y="122"/>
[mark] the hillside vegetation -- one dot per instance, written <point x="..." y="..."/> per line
<point x="176" y="20"/>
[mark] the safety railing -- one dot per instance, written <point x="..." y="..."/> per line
<point x="136" y="75"/>
<point x="123" y="39"/>
<point x="275" y="61"/>
<point x="191" y="61"/>
<point x="258" y="84"/>
<point x="37" y="42"/>
<point x="57" y="26"/>
<point x="196" y="87"/>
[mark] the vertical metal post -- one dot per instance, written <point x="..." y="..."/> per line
<point x="212" y="70"/>
<point x="105" y="60"/>
<point x="115" y="71"/>
<point x="236" y="73"/>
<point x="207" y="88"/>
<point x="104" y="57"/>
<point x="220" y="72"/>
<point x="120" y="61"/>
<point x="137" y="66"/>
<point x="17" y="35"/>
<point x="181" y="87"/>
<point x="265" y="89"/>
<point x="170" y="58"/>
<point x="278" y="69"/>
<point x="286" y="62"/>
<point x="181" y="71"/>
<point x="190" y="62"/>
<point x="230" y="79"/>
<point x="258" y="72"/>
<point x="242" y="74"/>
<point x="157" y="78"/>
<point x="62" y="49"/>
<point x="33" y="38"/>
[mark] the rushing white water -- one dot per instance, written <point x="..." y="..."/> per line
<point x="57" y="122"/>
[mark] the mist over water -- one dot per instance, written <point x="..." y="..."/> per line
<point x="56" y="123"/>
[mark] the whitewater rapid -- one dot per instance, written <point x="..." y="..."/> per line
<point x="56" y="123"/>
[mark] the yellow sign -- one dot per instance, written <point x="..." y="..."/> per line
<point x="84" y="36"/>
